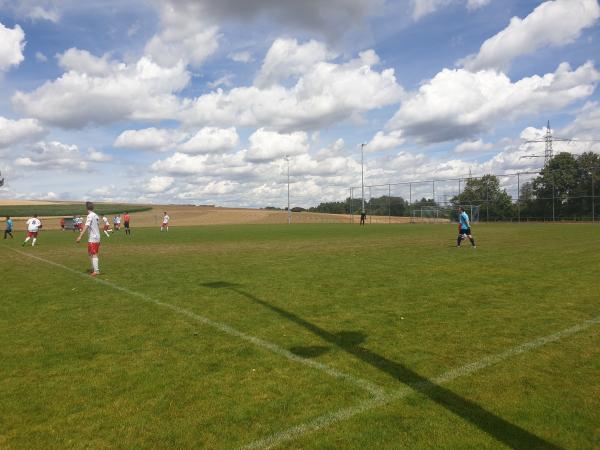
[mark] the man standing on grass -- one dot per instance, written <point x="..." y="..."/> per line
<point x="107" y="228"/>
<point x="92" y="226"/>
<point x="464" y="227"/>
<point x="33" y="226"/>
<point x="165" y="222"/>
<point x="9" y="228"/>
<point x="126" y="222"/>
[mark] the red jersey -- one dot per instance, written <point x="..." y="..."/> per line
<point x="126" y="218"/>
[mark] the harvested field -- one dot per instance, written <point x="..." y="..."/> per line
<point x="189" y="215"/>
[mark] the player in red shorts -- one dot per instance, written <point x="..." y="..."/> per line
<point x="33" y="226"/>
<point x="107" y="228"/>
<point x="92" y="226"/>
<point x="165" y="222"/>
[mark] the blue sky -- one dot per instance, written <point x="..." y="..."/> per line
<point x="198" y="101"/>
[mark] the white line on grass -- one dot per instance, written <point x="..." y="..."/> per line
<point x="341" y="415"/>
<point x="372" y="388"/>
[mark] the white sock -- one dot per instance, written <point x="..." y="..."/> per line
<point x="106" y="233"/>
<point x="33" y="242"/>
<point x="95" y="264"/>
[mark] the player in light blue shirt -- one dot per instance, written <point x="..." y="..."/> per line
<point x="464" y="227"/>
<point x="9" y="228"/>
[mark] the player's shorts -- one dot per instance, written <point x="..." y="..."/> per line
<point x="466" y="231"/>
<point x="126" y="224"/>
<point x="165" y="224"/>
<point x="32" y="234"/>
<point x="93" y="248"/>
<point x="106" y="227"/>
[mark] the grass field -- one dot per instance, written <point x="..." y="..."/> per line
<point x="303" y="337"/>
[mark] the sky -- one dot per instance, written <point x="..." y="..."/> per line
<point x="200" y="101"/>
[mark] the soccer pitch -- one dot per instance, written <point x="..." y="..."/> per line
<point x="302" y="337"/>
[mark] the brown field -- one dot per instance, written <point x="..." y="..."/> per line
<point x="26" y="202"/>
<point x="186" y="215"/>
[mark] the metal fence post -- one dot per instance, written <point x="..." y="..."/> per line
<point x="433" y="192"/>
<point x="410" y="196"/>
<point x="518" y="197"/>
<point x="370" y="201"/>
<point x="389" y="203"/>
<point x="487" y="203"/>
<point x="593" y="199"/>
<point x="351" y="205"/>
<point x="553" y="194"/>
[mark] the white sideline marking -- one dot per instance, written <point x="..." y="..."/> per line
<point x="372" y="388"/>
<point x="341" y="415"/>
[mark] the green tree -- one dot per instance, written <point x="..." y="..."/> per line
<point x="485" y="192"/>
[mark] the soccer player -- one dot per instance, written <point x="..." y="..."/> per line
<point x="117" y="222"/>
<point x="363" y="217"/>
<point x="33" y="226"/>
<point x="464" y="228"/>
<point x="107" y="228"/>
<point x="126" y="222"/>
<point x="165" y="222"/>
<point x="62" y="224"/>
<point x="9" y="228"/>
<point x="92" y="226"/>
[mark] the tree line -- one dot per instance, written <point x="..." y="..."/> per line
<point x="564" y="189"/>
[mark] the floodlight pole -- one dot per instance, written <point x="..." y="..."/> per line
<point x="362" y="176"/>
<point x="287" y="158"/>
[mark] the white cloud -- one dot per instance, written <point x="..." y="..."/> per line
<point x="421" y="8"/>
<point x="214" y="166"/>
<point x="186" y="36"/>
<point x="458" y="104"/>
<point x="211" y="140"/>
<point x="151" y="139"/>
<point x="158" y="184"/>
<point x="53" y="155"/>
<point x="553" y="23"/>
<point x="34" y="9"/>
<point x="269" y="145"/>
<point x="382" y="141"/>
<point x="241" y="57"/>
<point x="98" y="156"/>
<point x="41" y="57"/>
<point x="40" y="13"/>
<point x="12" y="44"/>
<point x="586" y="124"/>
<point x="476" y="4"/>
<point x="84" y="62"/>
<point x="473" y="147"/>
<point x="225" y="80"/>
<point x="13" y="131"/>
<point x="139" y="91"/>
<point x="286" y="58"/>
<point x="319" y="98"/>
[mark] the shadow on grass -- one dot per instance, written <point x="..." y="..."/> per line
<point x="350" y="341"/>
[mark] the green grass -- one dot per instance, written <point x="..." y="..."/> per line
<point x="67" y="209"/>
<point x="86" y="365"/>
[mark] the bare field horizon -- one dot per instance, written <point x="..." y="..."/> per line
<point x="190" y="215"/>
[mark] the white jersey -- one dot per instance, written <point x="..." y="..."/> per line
<point x="166" y="218"/>
<point x="93" y="223"/>
<point x="33" y="225"/>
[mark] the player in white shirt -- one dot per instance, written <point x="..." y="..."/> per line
<point x="92" y="226"/>
<point x="165" y="222"/>
<point x="33" y="226"/>
<point x="107" y="229"/>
